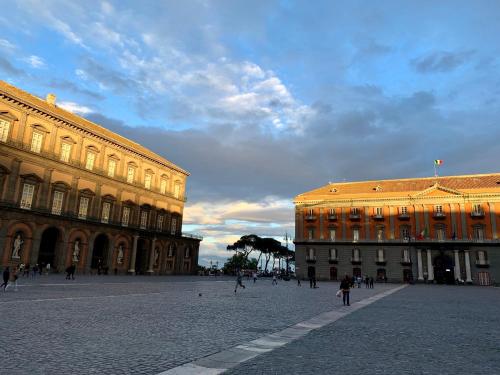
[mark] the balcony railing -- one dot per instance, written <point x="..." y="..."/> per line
<point x="354" y="216"/>
<point x="405" y="261"/>
<point x="310" y="217"/>
<point x="356" y="260"/>
<point x="380" y="260"/>
<point x="332" y="217"/>
<point x="477" y="214"/>
<point x="333" y="260"/>
<point x="311" y="259"/>
<point x="400" y="240"/>
<point x="482" y="263"/>
<point x="404" y="216"/>
<point x="438" y="215"/>
<point x="378" y="217"/>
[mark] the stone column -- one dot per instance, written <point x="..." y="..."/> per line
<point x="367" y="223"/>
<point x="463" y="221"/>
<point x="344" y="224"/>
<point x="53" y="138"/>
<point x="22" y="126"/>
<point x="133" y="256"/>
<point x="96" y="210"/>
<point x="298" y="233"/>
<point x="12" y="181"/>
<point x="418" y="230"/>
<point x="73" y="196"/>
<point x="426" y="225"/>
<point x="321" y="236"/>
<point x="457" y="265"/>
<point x="453" y="220"/>
<point x="430" y="268"/>
<point x="419" y="264"/>
<point x="467" y="267"/>
<point x="391" y="222"/>
<point x="152" y="257"/>
<point x="44" y="199"/>
<point x="493" y="219"/>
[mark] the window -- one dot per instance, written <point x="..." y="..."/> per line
<point x="36" y="142"/>
<point x="125" y="216"/>
<point x="355" y="255"/>
<point x="27" y="197"/>
<point x="333" y="254"/>
<point x="57" y="202"/>
<point x="310" y="212"/>
<point x="89" y="164"/>
<point x="177" y="190"/>
<point x="147" y="180"/>
<point x="310" y="233"/>
<point x="380" y="255"/>
<point x="440" y="233"/>
<point x="65" y="152"/>
<point x="311" y="254"/>
<point x="478" y="233"/>
<point x="481" y="257"/>
<point x="380" y="234"/>
<point x="331" y="211"/>
<point x="477" y="210"/>
<point x="163" y="186"/>
<point x="173" y="226"/>
<point x="4" y="130"/>
<point x="144" y="219"/>
<point x="187" y="253"/>
<point x="378" y="211"/>
<point x="406" y="256"/>
<point x="130" y="174"/>
<point x="355" y="234"/>
<point x="83" y="208"/>
<point x="438" y="209"/>
<point x="405" y="233"/>
<point x="159" y="222"/>
<point x="171" y="250"/>
<point x="111" y="168"/>
<point x="354" y="211"/>
<point x="106" y="209"/>
<point x="403" y="210"/>
<point x="332" y="234"/>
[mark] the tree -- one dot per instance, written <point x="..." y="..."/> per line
<point x="245" y="245"/>
<point x="239" y="261"/>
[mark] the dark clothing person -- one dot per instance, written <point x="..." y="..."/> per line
<point x="239" y="281"/>
<point x="367" y="282"/>
<point x="345" y="287"/>
<point x="6" y="277"/>
<point x="371" y="282"/>
<point x="298" y="282"/>
<point x="310" y="282"/>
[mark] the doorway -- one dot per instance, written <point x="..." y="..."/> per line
<point x="48" y="247"/>
<point x="101" y="246"/>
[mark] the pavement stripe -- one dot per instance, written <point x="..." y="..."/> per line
<point x="220" y="362"/>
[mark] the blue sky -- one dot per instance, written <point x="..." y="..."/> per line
<point x="263" y="100"/>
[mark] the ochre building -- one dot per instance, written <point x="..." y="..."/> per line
<point x="439" y="229"/>
<point x="75" y="193"/>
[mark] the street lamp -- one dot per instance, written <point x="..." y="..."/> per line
<point x="286" y="238"/>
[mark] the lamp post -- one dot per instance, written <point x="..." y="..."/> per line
<point x="286" y="238"/>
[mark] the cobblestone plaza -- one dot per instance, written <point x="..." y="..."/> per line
<point x="144" y="325"/>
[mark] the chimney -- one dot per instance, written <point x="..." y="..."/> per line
<point x="51" y="99"/>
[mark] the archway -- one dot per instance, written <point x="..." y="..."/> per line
<point x="99" y="254"/>
<point x="48" y="247"/>
<point x="444" y="269"/>
<point x="141" y="259"/>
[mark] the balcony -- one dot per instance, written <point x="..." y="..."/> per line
<point x="404" y="216"/>
<point x="356" y="260"/>
<point x="439" y="215"/>
<point x="333" y="260"/>
<point x="482" y="263"/>
<point x="354" y="216"/>
<point x="477" y="214"/>
<point x="332" y="217"/>
<point x="310" y="217"/>
<point x="310" y="259"/>
<point x="378" y="217"/>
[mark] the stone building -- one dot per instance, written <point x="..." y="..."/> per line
<point x="439" y="229"/>
<point x="73" y="192"/>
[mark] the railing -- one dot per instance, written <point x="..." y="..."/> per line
<point x="378" y="217"/>
<point x="310" y="217"/>
<point x="402" y="240"/>
<point x="356" y="260"/>
<point x="477" y="214"/>
<point x="81" y="165"/>
<point x="403" y="216"/>
<point x="439" y="215"/>
<point x="332" y="217"/>
<point x="405" y="261"/>
<point x="480" y="263"/>
<point x="354" y="216"/>
<point x="193" y="235"/>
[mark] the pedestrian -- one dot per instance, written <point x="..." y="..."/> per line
<point x="275" y="281"/>
<point x="40" y="269"/>
<point x="298" y="282"/>
<point x="314" y="282"/>
<point x="367" y="282"/>
<point x="21" y="268"/>
<point x="310" y="282"/>
<point x="47" y="268"/>
<point x="239" y="280"/>
<point x="68" y="272"/>
<point x="27" y="269"/>
<point x="73" y="270"/>
<point x="344" y="287"/>
<point x="254" y="275"/>
<point x="371" y="282"/>
<point x="6" y="277"/>
<point x="34" y="271"/>
<point x="13" y="278"/>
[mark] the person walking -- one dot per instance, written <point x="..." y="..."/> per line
<point x="6" y="277"/>
<point x="367" y="282"/>
<point x="47" y="268"/>
<point x="239" y="280"/>
<point x="27" y="269"/>
<point x="345" y="288"/>
<point x="254" y="275"/>
<point x="275" y="281"/>
<point x="371" y="282"/>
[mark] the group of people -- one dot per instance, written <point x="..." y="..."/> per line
<point x="358" y="280"/>
<point x="27" y="270"/>
<point x="9" y="276"/>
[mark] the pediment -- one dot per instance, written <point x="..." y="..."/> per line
<point x="438" y="190"/>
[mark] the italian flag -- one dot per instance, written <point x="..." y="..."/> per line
<point x="423" y="234"/>
<point x="438" y="162"/>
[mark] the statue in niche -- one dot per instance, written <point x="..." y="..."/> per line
<point x="157" y="255"/>
<point x="17" y="246"/>
<point x="119" y="256"/>
<point x="76" y="252"/>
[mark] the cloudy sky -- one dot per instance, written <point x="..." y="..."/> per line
<point x="263" y="100"/>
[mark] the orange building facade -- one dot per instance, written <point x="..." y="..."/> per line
<point x="75" y="193"/>
<point x="439" y="229"/>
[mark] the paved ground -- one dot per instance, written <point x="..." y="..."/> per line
<point x="418" y="330"/>
<point x="144" y="325"/>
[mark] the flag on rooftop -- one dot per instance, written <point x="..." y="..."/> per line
<point x="438" y="162"/>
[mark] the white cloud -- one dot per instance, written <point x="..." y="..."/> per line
<point x="4" y="43"/>
<point x="35" y="61"/>
<point x="75" y="108"/>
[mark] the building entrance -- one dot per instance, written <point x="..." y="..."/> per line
<point x="444" y="269"/>
<point x="141" y="260"/>
<point x="48" y="247"/>
<point x="101" y="247"/>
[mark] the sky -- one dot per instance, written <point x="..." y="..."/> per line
<point x="263" y="100"/>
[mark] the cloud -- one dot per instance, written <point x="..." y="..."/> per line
<point x="9" y="69"/>
<point x="64" y="84"/>
<point x="75" y="108"/>
<point x="440" y="61"/>
<point x="5" y="44"/>
<point x="35" y="61"/>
